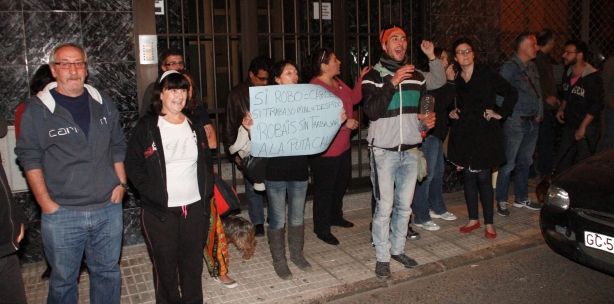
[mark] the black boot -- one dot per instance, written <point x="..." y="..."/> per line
<point x="277" y="245"/>
<point x="296" y="240"/>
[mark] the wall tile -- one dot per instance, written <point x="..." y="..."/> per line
<point x="13" y="89"/>
<point x="132" y="226"/>
<point x="108" y="37"/>
<point x="12" y="39"/>
<point x="107" y="5"/>
<point x="14" y="5"/>
<point x="47" y="29"/>
<point x="31" y="247"/>
<point x="49" y="5"/>
<point x="128" y="121"/>
<point x="118" y="80"/>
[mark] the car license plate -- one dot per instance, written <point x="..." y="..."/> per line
<point x="599" y="241"/>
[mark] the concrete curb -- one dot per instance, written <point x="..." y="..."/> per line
<point x="424" y="270"/>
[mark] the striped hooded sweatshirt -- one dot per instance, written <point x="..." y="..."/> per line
<point x="393" y="111"/>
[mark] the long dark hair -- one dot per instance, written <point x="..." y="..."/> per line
<point x="170" y="82"/>
<point x="40" y="79"/>
<point x="318" y="57"/>
<point x="193" y="101"/>
<point x="278" y="68"/>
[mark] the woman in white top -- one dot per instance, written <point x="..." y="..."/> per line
<point x="170" y="165"/>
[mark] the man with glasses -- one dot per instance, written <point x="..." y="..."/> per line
<point x="237" y="107"/>
<point x="391" y="93"/>
<point x="72" y="148"/>
<point x="581" y="104"/>
<point x="521" y="128"/>
<point x="170" y="59"/>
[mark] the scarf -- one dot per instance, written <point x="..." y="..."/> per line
<point x="391" y="64"/>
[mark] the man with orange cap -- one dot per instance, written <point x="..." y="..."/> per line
<point x="392" y="91"/>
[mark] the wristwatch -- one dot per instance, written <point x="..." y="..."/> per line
<point x="124" y="185"/>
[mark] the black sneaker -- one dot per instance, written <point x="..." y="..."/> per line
<point x="405" y="260"/>
<point x="382" y="270"/>
<point x="411" y="234"/>
<point x="259" y="229"/>
<point x="528" y="204"/>
<point x="328" y="238"/>
<point x="343" y="223"/>
<point x="502" y="209"/>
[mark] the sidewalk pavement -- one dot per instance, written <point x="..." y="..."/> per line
<point x="337" y="270"/>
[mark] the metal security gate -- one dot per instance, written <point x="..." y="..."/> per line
<point x="220" y="37"/>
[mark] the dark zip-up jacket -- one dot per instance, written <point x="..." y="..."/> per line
<point x="584" y="97"/>
<point x="146" y="166"/>
<point x="11" y="216"/>
<point x="79" y="170"/>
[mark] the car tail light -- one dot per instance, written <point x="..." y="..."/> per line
<point x="557" y="197"/>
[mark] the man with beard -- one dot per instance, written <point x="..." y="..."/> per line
<point x="391" y="94"/>
<point x="581" y="104"/>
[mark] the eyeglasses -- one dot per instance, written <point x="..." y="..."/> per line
<point x="66" y="65"/>
<point x="464" y="52"/>
<point x="174" y="63"/>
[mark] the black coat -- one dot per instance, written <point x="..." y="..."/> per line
<point x="475" y="142"/>
<point x="146" y="168"/>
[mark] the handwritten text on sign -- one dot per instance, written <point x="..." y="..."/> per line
<point x="297" y="119"/>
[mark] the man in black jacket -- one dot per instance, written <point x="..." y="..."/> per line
<point x="237" y="108"/>
<point x="582" y="101"/>
<point x="11" y="233"/>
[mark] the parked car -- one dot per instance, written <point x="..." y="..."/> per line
<point x="577" y="219"/>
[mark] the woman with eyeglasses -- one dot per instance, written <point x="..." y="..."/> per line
<point x="331" y="169"/>
<point x="476" y="136"/>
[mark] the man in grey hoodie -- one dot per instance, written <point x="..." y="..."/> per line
<point x="72" y="150"/>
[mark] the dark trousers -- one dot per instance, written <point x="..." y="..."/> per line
<point x="546" y="143"/>
<point x="176" y="246"/>
<point x="330" y="180"/>
<point x="11" y="283"/>
<point x="572" y="151"/>
<point x="479" y="183"/>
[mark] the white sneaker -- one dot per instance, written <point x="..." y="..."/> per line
<point x="228" y="284"/>
<point x="446" y="216"/>
<point x="428" y="225"/>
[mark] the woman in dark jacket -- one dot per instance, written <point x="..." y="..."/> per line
<point x="476" y="137"/>
<point x="169" y="163"/>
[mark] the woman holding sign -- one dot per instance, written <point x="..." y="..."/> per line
<point x="331" y="169"/>
<point x="286" y="176"/>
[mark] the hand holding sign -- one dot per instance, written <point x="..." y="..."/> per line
<point x="289" y="120"/>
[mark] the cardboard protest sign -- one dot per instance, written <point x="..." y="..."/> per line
<point x="289" y="120"/>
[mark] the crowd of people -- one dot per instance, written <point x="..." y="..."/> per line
<point x="494" y="121"/>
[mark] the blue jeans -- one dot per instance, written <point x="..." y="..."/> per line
<point x="429" y="192"/>
<point x="520" y="138"/>
<point x="396" y="180"/>
<point x="255" y="203"/>
<point x="276" y="192"/>
<point x="66" y="235"/>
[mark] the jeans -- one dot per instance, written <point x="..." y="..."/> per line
<point x="478" y="183"/>
<point x="396" y="180"/>
<point x="255" y="203"/>
<point x="572" y="151"/>
<point x="520" y="138"/>
<point x="546" y="143"/>
<point x="66" y="235"/>
<point x="276" y="193"/>
<point x="429" y="192"/>
<point x="330" y="179"/>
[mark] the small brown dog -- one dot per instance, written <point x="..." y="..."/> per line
<point x="241" y="233"/>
